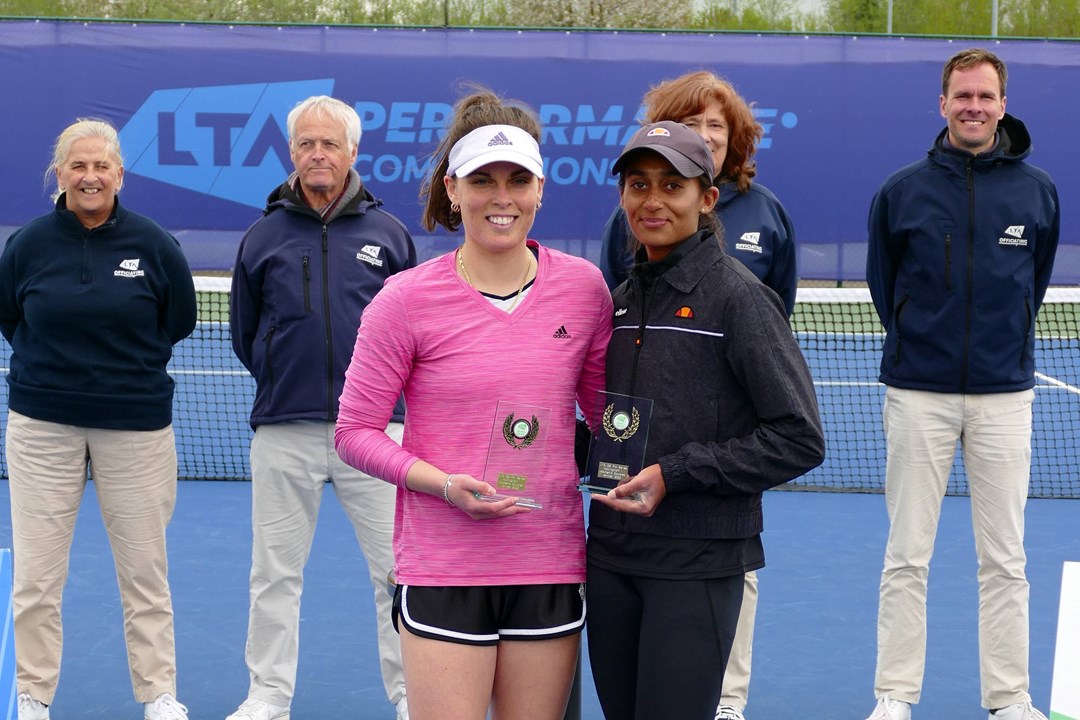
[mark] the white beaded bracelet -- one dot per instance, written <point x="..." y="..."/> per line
<point x="446" y="491"/>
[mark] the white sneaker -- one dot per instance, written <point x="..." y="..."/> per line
<point x="31" y="709"/>
<point x="1019" y="711"/>
<point x="252" y="709"/>
<point x="164" y="708"/>
<point x="403" y="708"/>
<point x="729" y="712"/>
<point x="889" y="709"/>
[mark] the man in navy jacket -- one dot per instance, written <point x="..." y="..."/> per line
<point x="304" y="274"/>
<point x="962" y="244"/>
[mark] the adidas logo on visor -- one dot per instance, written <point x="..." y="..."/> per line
<point x="495" y="143"/>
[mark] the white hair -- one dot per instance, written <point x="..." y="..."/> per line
<point x="331" y="108"/>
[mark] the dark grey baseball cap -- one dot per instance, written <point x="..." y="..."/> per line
<point x="678" y="144"/>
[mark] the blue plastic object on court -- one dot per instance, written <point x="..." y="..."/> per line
<point x="7" y="641"/>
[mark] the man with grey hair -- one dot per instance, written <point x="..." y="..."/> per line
<point x="304" y="273"/>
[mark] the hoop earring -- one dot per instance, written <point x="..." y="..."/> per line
<point x="454" y="207"/>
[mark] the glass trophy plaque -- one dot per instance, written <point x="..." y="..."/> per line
<point x="516" y="452"/>
<point x="617" y="448"/>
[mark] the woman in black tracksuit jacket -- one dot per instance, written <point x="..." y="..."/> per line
<point x="734" y="413"/>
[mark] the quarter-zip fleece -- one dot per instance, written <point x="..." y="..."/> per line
<point x="92" y="316"/>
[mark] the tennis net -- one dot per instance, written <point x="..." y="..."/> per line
<point x="837" y="329"/>
<point x="841" y="337"/>
<point x="212" y="398"/>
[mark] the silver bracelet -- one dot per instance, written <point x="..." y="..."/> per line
<point x="446" y="491"/>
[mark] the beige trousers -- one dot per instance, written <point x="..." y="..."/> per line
<point x="291" y="463"/>
<point x="736" y="687"/>
<point x="994" y="432"/>
<point x="134" y="476"/>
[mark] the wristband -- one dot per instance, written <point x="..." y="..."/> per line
<point x="446" y="491"/>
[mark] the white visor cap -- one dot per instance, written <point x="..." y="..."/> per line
<point x="495" y="143"/>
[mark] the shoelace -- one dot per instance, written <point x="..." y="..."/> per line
<point x="891" y="705"/>
<point x="1032" y="713"/>
<point x="167" y="707"/>
<point x="251" y="708"/>
<point x="27" y="703"/>
<point x="1027" y="712"/>
<point x="728" y="712"/>
<point x="248" y="707"/>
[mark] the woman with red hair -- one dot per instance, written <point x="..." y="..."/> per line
<point x="756" y="226"/>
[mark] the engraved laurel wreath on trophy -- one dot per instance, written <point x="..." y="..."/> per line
<point x="520" y="434"/>
<point x="516" y="452"/>
<point x="618" y="425"/>
<point x="619" y="450"/>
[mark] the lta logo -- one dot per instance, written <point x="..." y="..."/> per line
<point x="226" y="141"/>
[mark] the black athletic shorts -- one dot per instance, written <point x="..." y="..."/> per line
<point x="485" y="615"/>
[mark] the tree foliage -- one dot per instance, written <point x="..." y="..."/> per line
<point x="1016" y="18"/>
<point x="1041" y="18"/>
<point x="601" y="13"/>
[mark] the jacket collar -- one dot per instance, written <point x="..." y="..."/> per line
<point x="116" y="215"/>
<point x="355" y="199"/>
<point x="1013" y="144"/>
<point x="728" y="192"/>
<point x="684" y="266"/>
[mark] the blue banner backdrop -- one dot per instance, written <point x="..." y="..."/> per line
<point x="202" y="115"/>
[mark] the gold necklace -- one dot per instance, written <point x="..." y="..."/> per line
<point x="524" y="278"/>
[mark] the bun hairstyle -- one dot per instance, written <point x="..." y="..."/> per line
<point x="481" y="107"/>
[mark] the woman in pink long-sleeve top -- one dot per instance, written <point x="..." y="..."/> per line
<point x="492" y="345"/>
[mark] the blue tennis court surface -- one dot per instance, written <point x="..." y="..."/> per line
<point x="815" y="646"/>
<point x="813" y="653"/>
<point x="8" y="708"/>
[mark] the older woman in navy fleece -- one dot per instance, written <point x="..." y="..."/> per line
<point x="92" y="299"/>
